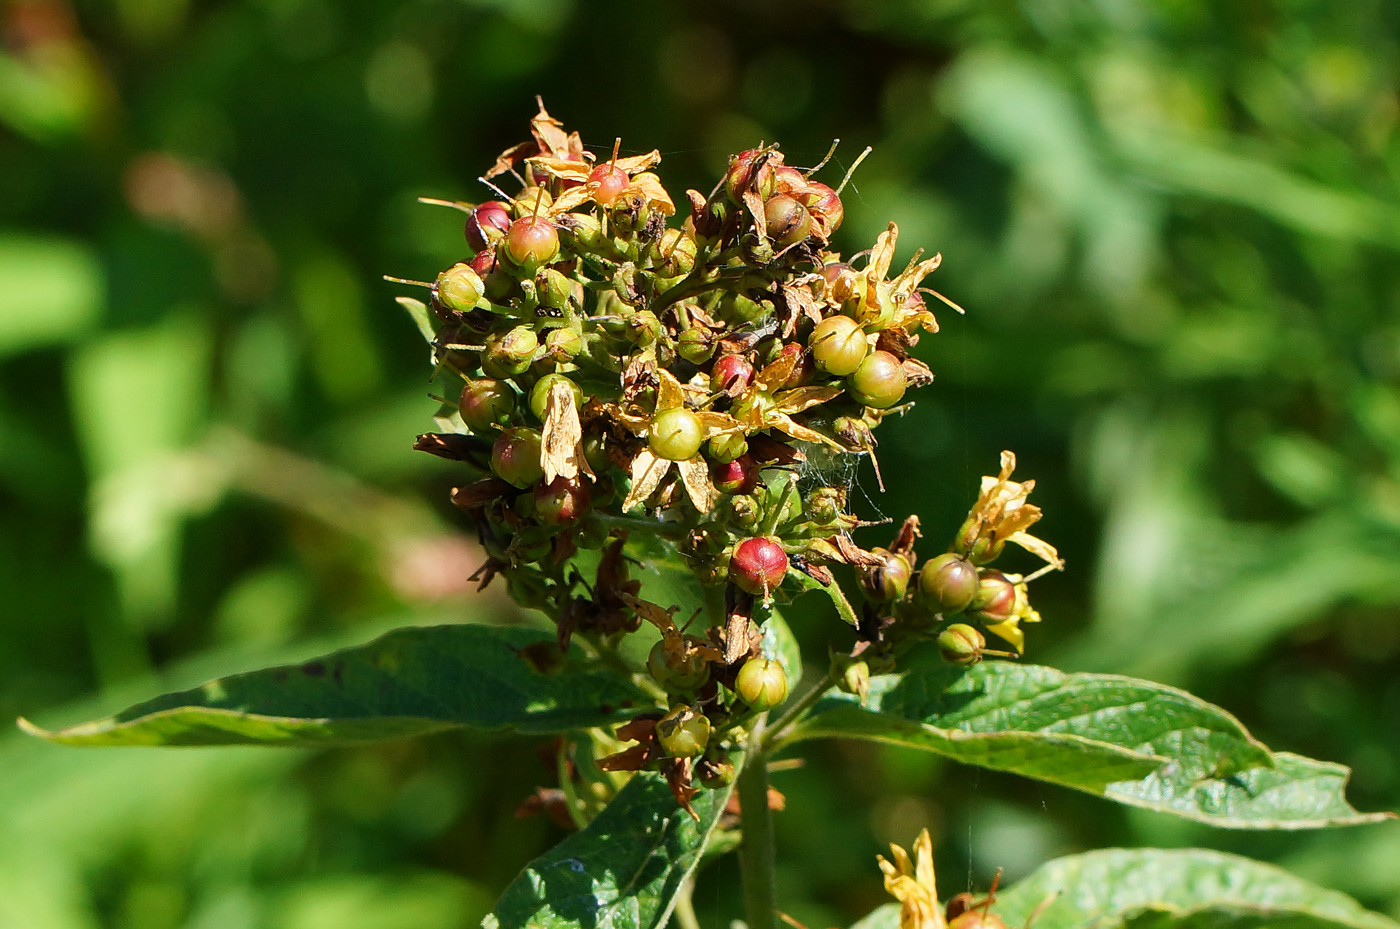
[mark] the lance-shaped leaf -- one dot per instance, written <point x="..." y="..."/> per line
<point x="407" y="682"/>
<point x="1135" y="742"/>
<point x="622" y="872"/>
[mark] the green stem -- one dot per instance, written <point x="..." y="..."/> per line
<point x="685" y="907"/>
<point x="656" y="526"/>
<point x="756" y="854"/>
<point x="777" y="733"/>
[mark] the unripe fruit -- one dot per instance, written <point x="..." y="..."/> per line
<point x="531" y="201"/>
<point x="855" y="679"/>
<point x="788" y="181"/>
<point x="888" y="580"/>
<point x="788" y="221"/>
<point x="949" y="582"/>
<point x="874" y="306"/>
<point x="743" y="509"/>
<point x="761" y="683"/>
<point x="643" y="328"/>
<point x="726" y="448"/>
<point x="677" y="673"/>
<point x="675" y="254"/>
<point x="676" y="434"/>
<point x="961" y="644"/>
<point x="739" y="476"/>
<point x="531" y="242"/>
<point x="758" y="565"/>
<point x="459" y="288"/>
<point x="683" y="733"/>
<point x="879" y="381"/>
<point x="825" y="206"/>
<point x="731" y="373"/>
<point x="714" y="775"/>
<point x="561" y="501"/>
<point x="486" y="224"/>
<point x="539" y="394"/>
<point x="485" y="403"/>
<point x="516" y="457"/>
<point x="977" y="919"/>
<point x="826" y="505"/>
<point x="607" y="183"/>
<point x="512" y="352"/>
<point x="695" y="345"/>
<point x="563" y="343"/>
<point x="839" y="345"/>
<point x="743" y="175"/>
<point x="995" y="600"/>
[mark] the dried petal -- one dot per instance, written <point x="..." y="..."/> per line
<point x="648" y="185"/>
<point x="695" y="474"/>
<point x="647" y="472"/>
<point x="561" y="446"/>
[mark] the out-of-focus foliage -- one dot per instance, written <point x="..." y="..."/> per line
<point x="1175" y="227"/>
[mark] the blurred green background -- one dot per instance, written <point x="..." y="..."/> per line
<point x="1175" y="226"/>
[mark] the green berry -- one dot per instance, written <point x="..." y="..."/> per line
<point x="485" y="403"/>
<point x="459" y="288"/>
<point x="961" y="644"/>
<point x="879" y="381"/>
<point x="761" y="683"/>
<point x="949" y="582"/>
<point x="676" y="434"/>
<point x="839" y="345"/>
<point x="683" y="732"/>
<point x="539" y="394"/>
<point x="516" y="457"/>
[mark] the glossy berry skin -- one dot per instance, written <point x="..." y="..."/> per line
<point x="683" y="733"/>
<point x="995" y="600"/>
<point x="758" y="566"/>
<point x="949" y="582"/>
<point x="531" y="242"/>
<point x="788" y="221"/>
<point x="675" y="670"/>
<point x="516" y="457"/>
<point x="486" y="224"/>
<point x="745" y="173"/>
<point x="607" y="183"/>
<point x="726" y="448"/>
<point x="761" y="683"/>
<point x="839" y="345"/>
<point x="825" y="206"/>
<point x="539" y="394"/>
<point x="731" y="373"/>
<point x="888" y="580"/>
<point x="485" y="403"/>
<point x="459" y="288"/>
<point x="879" y="381"/>
<point x="562" y="501"/>
<point x="739" y="476"/>
<point x="676" y="434"/>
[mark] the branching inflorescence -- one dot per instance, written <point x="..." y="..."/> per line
<point x="625" y="376"/>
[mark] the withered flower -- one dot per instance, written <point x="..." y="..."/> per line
<point x="1000" y="515"/>
<point x="912" y="884"/>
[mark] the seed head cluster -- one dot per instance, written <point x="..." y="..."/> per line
<point x="620" y="374"/>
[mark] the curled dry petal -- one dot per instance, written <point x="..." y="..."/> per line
<point x="647" y="473"/>
<point x="695" y="474"/>
<point x="561" y="447"/>
<point x="912" y="883"/>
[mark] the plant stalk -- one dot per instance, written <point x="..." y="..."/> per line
<point x="757" y="853"/>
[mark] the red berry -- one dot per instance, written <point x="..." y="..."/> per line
<point x="758" y="565"/>
<point x="531" y="242"/>
<point x="995" y="600"/>
<point x="607" y="182"/>
<point x="746" y="173"/>
<point x="485" y="403"/>
<point x="731" y="373"/>
<point x="739" y="476"/>
<point x="824" y="205"/>
<point x="949" y="582"/>
<point x="486" y="224"/>
<point x="879" y="381"/>
<point x="516" y="457"/>
<point x="563" y="500"/>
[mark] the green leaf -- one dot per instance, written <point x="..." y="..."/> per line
<point x="407" y="682"/>
<point x="622" y="872"/>
<point x="1135" y="742"/>
<point x="51" y="290"/>
<point x="1176" y="889"/>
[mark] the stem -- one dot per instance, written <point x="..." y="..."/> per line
<point x="656" y="526"/>
<point x="778" y="731"/>
<point x="757" y="853"/>
<point x="685" y="907"/>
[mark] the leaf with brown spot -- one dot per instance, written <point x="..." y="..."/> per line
<point x="647" y="472"/>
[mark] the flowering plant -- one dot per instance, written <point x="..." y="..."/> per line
<point x="654" y="422"/>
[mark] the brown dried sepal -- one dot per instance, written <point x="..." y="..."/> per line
<point x="474" y="496"/>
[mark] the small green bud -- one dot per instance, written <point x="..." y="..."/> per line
<point x="485" y="403"/>
<point x="696" y="345"/>
<point x="563" y="343"/>
<point x="725" y="448"/>
<point x="459" y="288"/>
<point x="961" y="644"/>
<point x="714" y="774"/>
<point x="855" y="679"/>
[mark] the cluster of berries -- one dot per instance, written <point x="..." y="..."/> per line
<point x="620" y="375"/>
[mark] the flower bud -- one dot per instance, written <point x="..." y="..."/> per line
<point x="855" y="679"/>
<point x="675" y="434"/>
<point x="825" y="505"/>
<point x="512" y="351"/>
<point x="516" y="457"/>
<point x="788" y="221"/>
<point x="887" y="581"/>
<point x="739" y="476"/>
<point x="581" y="231"/>
<point x="695" y="344"/>
<point x="879" y="381"/>
<point x="677" y="668"/>
<point x="539" y="394"/>
<point x="761" y="683"/>
<point x="838" y="345"/>
<point x="643" y="328"/>
<point x="675" y="254"/>
<point x="606" y="183"/>
<point x="744" y="510"/>
<point x="961" y="644"/>
<point x="731" y="374"/>
<point x="758" y="566"/>
<point x="683" y="733"/>
<point x="563" y="343"/>
<point x="531" y="242"/>
<point x="459" y="288"/>
<point x="563" y="500"/>
<point x="556" y="290"/>
<point x="485" y="403"/>
<point x="725" y="448"/>
<point x="714" y="774"/>
<point x="995" y="600"/>
<point x="949" y="582"/>
<point x="487" y="224"/>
